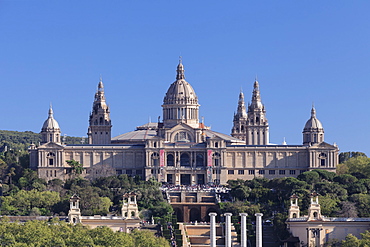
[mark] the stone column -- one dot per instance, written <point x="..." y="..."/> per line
<point x="228" y="229"/>
<point x="259" y="229"/>
<point x="243" y="240"/>
<point x="213" y="229"/>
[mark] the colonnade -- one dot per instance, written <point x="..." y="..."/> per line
<point x="243" y="240"/>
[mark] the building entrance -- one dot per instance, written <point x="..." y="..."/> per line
<point x="200" y="178"/>
<point x="185" y="179"/>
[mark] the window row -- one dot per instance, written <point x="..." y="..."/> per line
<point x="129" y="172"/>
<point x="262" y="172"/>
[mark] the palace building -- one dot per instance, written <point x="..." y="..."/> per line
<point x="180" y="149"/>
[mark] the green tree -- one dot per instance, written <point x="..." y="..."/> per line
<point x="77" y="168"/>
<point x="351" y="241"/>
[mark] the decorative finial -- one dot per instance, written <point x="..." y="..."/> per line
<point x="50" y="110"/>
<point x="180" y="59"/>
<point x="256" y="78"/>
<point x="100" y="78"/>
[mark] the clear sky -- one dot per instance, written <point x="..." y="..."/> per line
<point x="303" y="52"/>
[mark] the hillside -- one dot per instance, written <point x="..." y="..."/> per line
<point x="21" y="140"/>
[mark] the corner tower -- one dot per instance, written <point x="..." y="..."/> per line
<point x="180" y="105"/>
<point x="313" y="131"/>
<point x="257" y="132"/>
<point x="50" y="131"/>
<point x="100" y="126"/>
<point x="240" y="119"/>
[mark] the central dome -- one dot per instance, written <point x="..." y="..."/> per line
<point x="180" y="105"/>
<point x="180" y="92"/>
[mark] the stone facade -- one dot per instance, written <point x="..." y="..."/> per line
<point x="181" y="149"/>
<point x="314" y="229"/>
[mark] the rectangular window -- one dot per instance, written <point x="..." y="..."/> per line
<point x="272" y="172"/>
<point x="230" y="172"/>
<point x="301" y="171"/>
<point x="281" y="172"/>
<point x="261" y="172"/>
<point x="51" y="162"/>
<point x="119" y="172"/>
<point x="139" y="172"/>
<point x="251" y="172"/>
<point x="292" y="172"/>
<point x="128" y="172"/>
<point x="241" y="172"/>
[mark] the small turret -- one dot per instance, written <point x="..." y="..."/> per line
<point x="50" y="131"/>
<point x="313" y="131"/>
<point x="294" y="211"/>
<point x="314" y="210"/>
<point x="74" y="214"/>
<point x="129" y="207"/>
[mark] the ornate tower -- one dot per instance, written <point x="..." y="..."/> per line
<point x="100" y="126"/>
<point x="257" y="132"/>
<point x="180" y="105"/>
<point x="314" y="210"/>
<point x="294" y="208"/>
<point x="129" y="208"/>
<point x="50" y="131"/>
<point x="240" y="119"/>
<point x="313" y="131"/>
<point x="74" y="213"/>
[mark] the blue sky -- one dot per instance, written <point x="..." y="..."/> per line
<point x="303" y="52"/>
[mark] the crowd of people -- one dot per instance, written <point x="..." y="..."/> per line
<point x="196" y="187"/>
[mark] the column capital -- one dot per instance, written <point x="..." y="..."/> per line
<point x="212" y="214"/>
<point x="258" y="214"/>
<point x="228" y="214"/>
<point x="243" y="214"/>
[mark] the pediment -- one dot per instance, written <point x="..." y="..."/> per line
<point x="324" y="145"/>
<point x="181" y="126"/>
<point x="51" y="145"/>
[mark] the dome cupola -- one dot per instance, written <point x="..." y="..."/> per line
<point x="313" y="131"/>
<point x="180" y="103"/>
<point x="50" y="130"/>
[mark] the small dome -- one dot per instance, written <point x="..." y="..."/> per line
<point x="180" y="92"/>
<point x="50" y="123"/>
<point x="313" y="122"/>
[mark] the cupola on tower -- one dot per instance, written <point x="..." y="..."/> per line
<point x="313" y="131"/>
<point x="100" y="126"/>
<point x="50" y="131"/>
<point x="257" y="132"/>
<point x="180" y="105"/>
<point x="240" y="119"/>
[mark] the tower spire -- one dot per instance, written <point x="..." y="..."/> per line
<point x="238" y="130"/>
<point x="180" y="70"/>
<point x="257" y="132"/>
<point x="99" y="131"/>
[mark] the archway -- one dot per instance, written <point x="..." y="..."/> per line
<point x="194" y="215"/>
<point x="179" y="214"/>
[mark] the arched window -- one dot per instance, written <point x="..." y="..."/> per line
<point x="315" y="214"/>
<point x="199" y="160"/>
<point x="184" y="159"/>
<point x="51" y="157"/>
<point x="216" y="159"/>
<point x="323" y="158"/>
<point x="170" y="160"/>
<point x="294" y="215"/>
<point x="183" y="137"/>
<point x="155" y="159"/>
